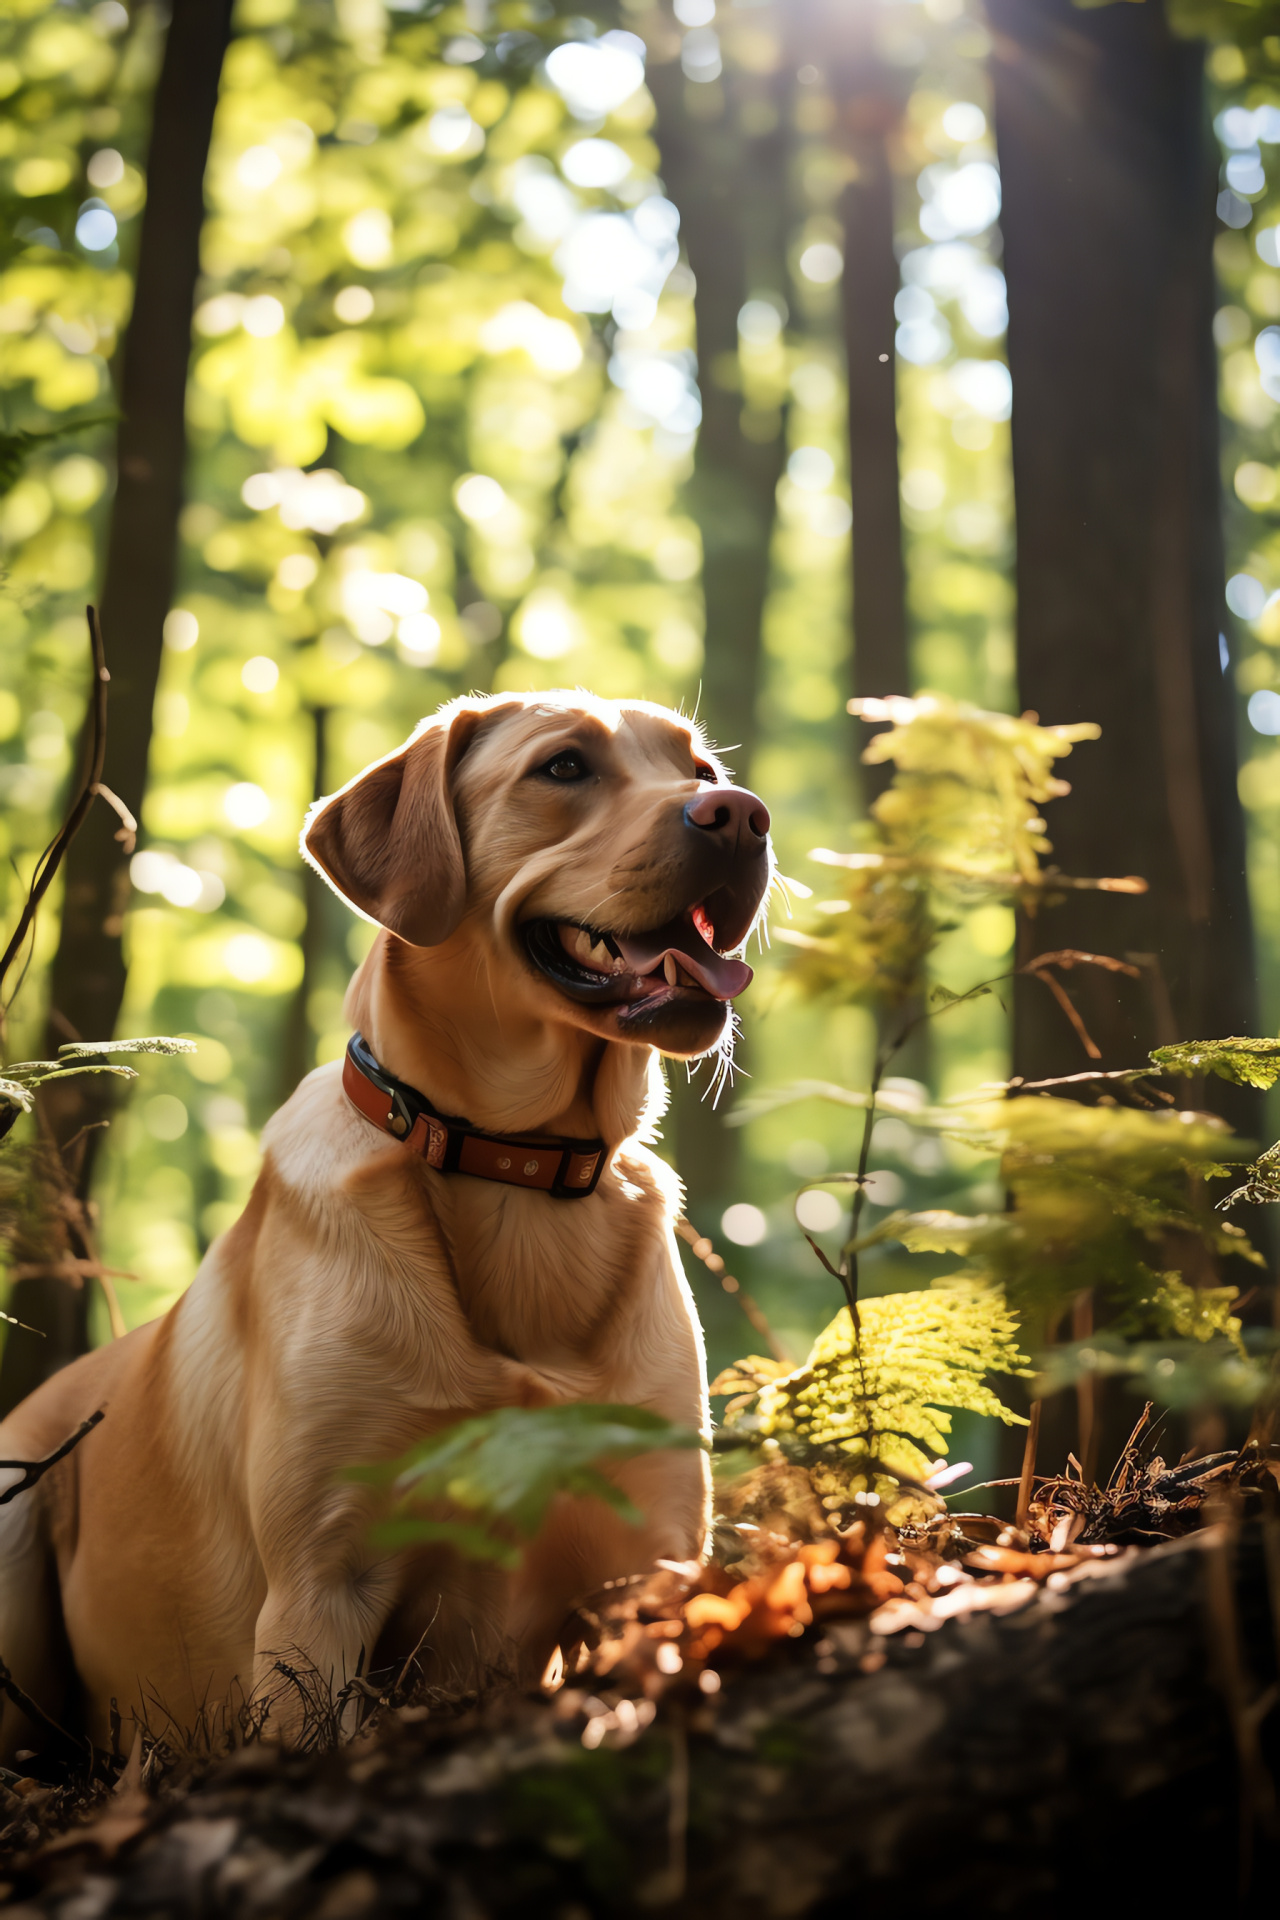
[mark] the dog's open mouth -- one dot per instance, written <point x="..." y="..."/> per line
<point x="634" y="970"/>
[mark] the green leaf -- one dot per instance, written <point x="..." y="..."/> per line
<point x="1246" y="1063"/>
<point x="81" y="1057"/>
<point x="153" y="1043"/>
<point x="505" y="1468"/>
<point x="945" y="997"/>
<point x="938" y="1231"/>
<point x="474" y="1540"/>
<point x="74" y="1070"/>
<point x="1261" y="1181"/>
<point x="876" y="1398"/>
<point x="17" y="448"/>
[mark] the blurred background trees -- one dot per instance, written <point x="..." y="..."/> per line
<point x="657" y="350"/>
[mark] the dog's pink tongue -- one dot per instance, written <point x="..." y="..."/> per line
<point x="723" y="978"/>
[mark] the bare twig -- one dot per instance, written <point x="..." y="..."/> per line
<point x="1086" y="1390"/>
<point x="15" y="1322"/>
<point x="412" y="1658"/>
<point x="33" y="1470"/>
<point x="36" y="1714"/>
<point x="127" y="832"/>
<point x="70" y="1269"/>
<point x="833" y="1271"/>
<point x="701" y="1245"/>
<point x="1068" y="957"/>
<point x="1027" y="1481"/>
<point x="90" y="782"/>
<point x="1063" y="999"/>
<point x="1124" y="1076"/>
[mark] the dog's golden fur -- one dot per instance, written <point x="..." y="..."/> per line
<point x="362" y="1300"/>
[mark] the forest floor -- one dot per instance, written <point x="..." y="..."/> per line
<point x="919" y="1709"/>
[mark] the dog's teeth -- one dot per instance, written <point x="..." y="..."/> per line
<point x="671" y="971"/>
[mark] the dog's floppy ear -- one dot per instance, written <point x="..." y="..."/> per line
<point x="388" y="842"/>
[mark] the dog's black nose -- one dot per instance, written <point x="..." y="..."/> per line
<point x="729" y="810"/>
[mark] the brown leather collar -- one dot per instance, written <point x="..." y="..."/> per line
<point x="565" y="1169"/>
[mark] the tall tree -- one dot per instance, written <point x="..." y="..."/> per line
<point x="870" y="106"/>
<point x="1109" y="188"/>
<point x="88" y="973"/>
<point x="726" y="171"/>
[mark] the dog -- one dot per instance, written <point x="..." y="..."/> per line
<point x="462" y="1216"/>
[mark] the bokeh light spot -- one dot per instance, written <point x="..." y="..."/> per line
<point x="96" y="229"/>
<point x="822" y="263"/>
<point x="818" y="1211"/>
<point x="181" y="630"/>
<point x="352" y="305"/>
<point x="744" y="1224"/>
<point x="259" y="674"/>
<point x="245" y="804"/>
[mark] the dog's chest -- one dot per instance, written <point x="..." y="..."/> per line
<point x="552" y="1284"/>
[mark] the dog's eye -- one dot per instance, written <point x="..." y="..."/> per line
<point x="568" y="765"/>
<point x="703" y="772"/>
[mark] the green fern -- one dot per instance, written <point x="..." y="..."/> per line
<point x="484" y="1486"/>
<point x="866" y="1404"/>
<point x="1103" y="1198"/>
<point x="960" y="823"/>
<point x="20" y="1082"/>
<point x="1246" y="1063"/>
<point x="1261" y="1183"/>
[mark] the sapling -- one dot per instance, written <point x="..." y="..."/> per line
<point x="1106" y="1203"/>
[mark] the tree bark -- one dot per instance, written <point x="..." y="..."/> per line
<point x="731" y="193"/>
<point x="297" y="1057"/>
<point x="88" y="973"/>
<point x="881" y="665"/>
<point x="1109" y="186"/>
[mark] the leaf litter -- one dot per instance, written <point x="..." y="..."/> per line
<point x="795" y="1592"/>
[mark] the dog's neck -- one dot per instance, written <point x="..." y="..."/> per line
<point x="433" y="1017"/>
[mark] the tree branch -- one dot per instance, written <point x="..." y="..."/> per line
<point x="34" y="1470"/>
<point x="90" y="781"/>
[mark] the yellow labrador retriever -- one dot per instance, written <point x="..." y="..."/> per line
<point x="461" y="1216"/>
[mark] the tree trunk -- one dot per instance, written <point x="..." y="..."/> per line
<point x="731" y="193"/>
<point x="88" y="974"/>
<point x="881" y="664"/>
<point x="1109" y="185"/>
<point x="298" y="1058"/>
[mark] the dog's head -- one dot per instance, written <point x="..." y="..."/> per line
<point x="598" y="846"/>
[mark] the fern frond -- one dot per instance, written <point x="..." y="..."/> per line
<point x="874" y="1402"/>
<point x="960" y="824"/>
<point x="1244" y="1062"/>
<point x="484" y="1485"/>
<point x="1261" y="1182"/>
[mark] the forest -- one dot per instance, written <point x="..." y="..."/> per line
<point x="893" y="387"/>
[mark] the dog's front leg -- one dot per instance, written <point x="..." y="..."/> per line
<point x="314" y="1635"/>
<point x="328" y="1598"/>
